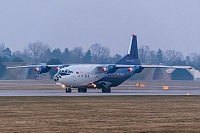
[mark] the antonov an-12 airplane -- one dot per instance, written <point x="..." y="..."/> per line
<point x="104" y="76"/>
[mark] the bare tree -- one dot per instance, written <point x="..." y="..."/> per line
<point x="145" y="54"/>
<point x="36" y="50"/>
<point x="2" y="48"/>
<point x="195" y="60"/>
<point x="77" y="54"/>
<point x="172" y="57"/>
<point x="99" y="53"/>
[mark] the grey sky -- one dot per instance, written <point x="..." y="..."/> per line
<point x="165" y="24"/>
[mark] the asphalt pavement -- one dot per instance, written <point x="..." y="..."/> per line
<point x="14" y="88"/>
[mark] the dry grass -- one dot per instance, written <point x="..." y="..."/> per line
<point x="100" y="114"/>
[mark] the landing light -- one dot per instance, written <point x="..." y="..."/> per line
<point x="63" y="86"/>
<point x="94" y="85"/>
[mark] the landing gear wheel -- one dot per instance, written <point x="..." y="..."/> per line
<point x="68" y="90"/>
<point x="84" y="90"/>
<point x="106" y="90"/>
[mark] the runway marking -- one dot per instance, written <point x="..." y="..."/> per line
<point x="95" y="92"/>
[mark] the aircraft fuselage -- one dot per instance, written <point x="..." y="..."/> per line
<point x="90" y="76"/>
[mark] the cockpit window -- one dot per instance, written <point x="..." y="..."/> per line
<point x="65" y="72"/>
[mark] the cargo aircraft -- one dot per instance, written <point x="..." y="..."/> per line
<point x="104" y="76"/>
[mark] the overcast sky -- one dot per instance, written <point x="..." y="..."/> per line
<point x="165" y="24"/>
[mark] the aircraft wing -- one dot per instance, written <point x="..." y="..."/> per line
<point x="137" y="68"/>
<point x="163" y="66"/>
<point x="144" y="66"/>
<point x="33" y="66"/>
<point x="40" y="68"/>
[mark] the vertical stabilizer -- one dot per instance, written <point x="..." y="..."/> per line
<point x="132" y="56"/>
<point x="133" y="49"/>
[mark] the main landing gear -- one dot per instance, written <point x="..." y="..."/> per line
<point x="83" y="90"/>
<point x="106" y="87"/>
<point x="68" y="90"/>
<point x="106" y="90"/>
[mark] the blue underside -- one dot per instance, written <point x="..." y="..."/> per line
<point x="115" y="79"/>
<point x="118" y="77"/>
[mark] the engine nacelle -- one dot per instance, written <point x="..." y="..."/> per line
<point x="42" y="69"/>
<point x="135" y="69"/>
<point x="104" y="69"/>
<point x="109" y="69"/>
<point x="57" y="69"/>
<point x="130" y="69"/>
<point x="138" y="69"/>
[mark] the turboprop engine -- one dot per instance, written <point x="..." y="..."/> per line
<point x="135" y="69"/>
<point x="109" y="69"/>
<point x="42" y="69"/>
<point x="130" y="69"/>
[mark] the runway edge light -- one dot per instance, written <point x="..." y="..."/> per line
<point x="165" y="87"/>
<point x="142" y="85"/>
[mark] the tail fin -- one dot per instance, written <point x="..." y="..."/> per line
<point x="132" y="56"/>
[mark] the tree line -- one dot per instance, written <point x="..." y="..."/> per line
<point x="39" y="52"/>
<point x="168" y="57"/>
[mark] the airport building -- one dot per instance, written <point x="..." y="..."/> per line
<point x="174" y="74"/>
<point x="183" y="74"/>
<point x="167" y="74"/>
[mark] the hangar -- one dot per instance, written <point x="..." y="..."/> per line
<point x="183" y="74"/>
<point x="168" y="74"/>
